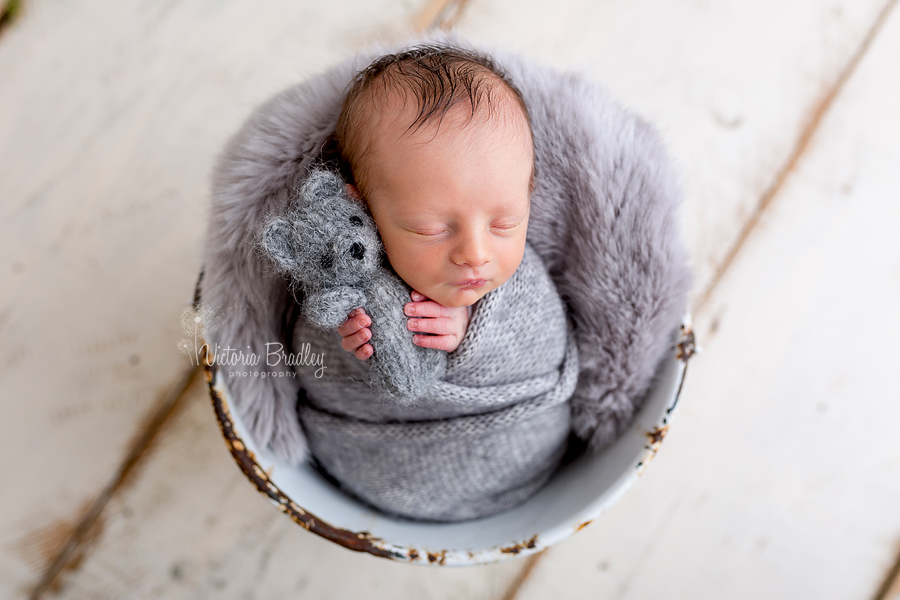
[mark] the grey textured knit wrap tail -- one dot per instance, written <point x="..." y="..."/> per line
<point x="481" y="440"/>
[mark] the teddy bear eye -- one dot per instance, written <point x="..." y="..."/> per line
<point x="356" y="221"/>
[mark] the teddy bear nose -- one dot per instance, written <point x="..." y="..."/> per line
<point x="357" y="251"/>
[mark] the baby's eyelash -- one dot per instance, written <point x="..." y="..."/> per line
<point x="438" y="232"/>
<point x="505" y="227"/>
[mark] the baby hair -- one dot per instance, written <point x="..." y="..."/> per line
<point x="433" y="76"/>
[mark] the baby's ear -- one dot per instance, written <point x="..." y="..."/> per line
<point x="352" y="191"/>
<point x="279" y="239"/>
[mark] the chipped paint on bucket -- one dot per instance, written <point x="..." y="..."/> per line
<point x="575" y="496"/>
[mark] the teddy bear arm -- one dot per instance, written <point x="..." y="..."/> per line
<point x="329" y="308"/>
<point x="399" y="367"/>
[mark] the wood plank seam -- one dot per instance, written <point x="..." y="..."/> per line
<point x="67" y="553"/>
<point x="438" y="13"/>
<point x="9" y="12"/>
<point x="513" y="590"/>
<point x="800" y="147"/>
<point x="890" y="587"/>
<point x="449" y="19"/>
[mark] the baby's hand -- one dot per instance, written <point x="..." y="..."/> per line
<point x="355" y="331"/>
<point x="449" y="324"/>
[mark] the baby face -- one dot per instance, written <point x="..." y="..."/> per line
<point x="452" y="209"/>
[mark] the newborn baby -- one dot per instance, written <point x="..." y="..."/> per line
<point x="437" y="143"/>
<point x="450" y="194"/>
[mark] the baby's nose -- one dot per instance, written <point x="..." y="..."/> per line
<point x="473" y="251"/>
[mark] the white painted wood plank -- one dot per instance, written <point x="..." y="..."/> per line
<point x="111" y="114"/>
<point x="193" y="527"/>
<point x="247" y="74"/>
<point x="780" y="477"/>
<point x="729" y="84"/>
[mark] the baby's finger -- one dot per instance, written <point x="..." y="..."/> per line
<point x="357" y="312"/>
<point x="426" y="309"/>
<point x="354" y="324"/>
<point x="439" y="326"/>
<point x="438" y="342"/>
<point x="364" y="352"/>
<point x="417" y="297"/>
<point x="353" y="342"/>
<point x="349" y="327"/>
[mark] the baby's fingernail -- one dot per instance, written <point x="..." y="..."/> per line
<point x="410" y="309"/>
<point x="412" y="323"/>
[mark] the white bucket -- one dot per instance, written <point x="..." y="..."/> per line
<point x="576" y="495"/>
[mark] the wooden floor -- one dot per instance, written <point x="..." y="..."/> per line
<point x="780" y="477"/>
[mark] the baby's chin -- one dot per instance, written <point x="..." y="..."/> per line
<point x="459" y="297"/>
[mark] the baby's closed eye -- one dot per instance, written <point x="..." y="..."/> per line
<point x="430" y="233"/>
<point x="499" y="226"/>
<point x="505" y="226"/>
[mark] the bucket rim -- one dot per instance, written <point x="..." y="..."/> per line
<point x="244" y="453"/>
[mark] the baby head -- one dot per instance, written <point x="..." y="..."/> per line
<point x="438" y="143"/>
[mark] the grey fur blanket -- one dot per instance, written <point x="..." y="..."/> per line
<point x="480" y="440"/>
<point x="603" y="219"/>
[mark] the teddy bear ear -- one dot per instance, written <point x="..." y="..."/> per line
<point x="279" y="240"/>
<point x="323" y="182"/>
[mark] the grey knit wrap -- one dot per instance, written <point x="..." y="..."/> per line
<point x="482" y="439"/>
<point x="604" y="220"/>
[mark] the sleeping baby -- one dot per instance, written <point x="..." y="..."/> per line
<point x="436" y="143"/>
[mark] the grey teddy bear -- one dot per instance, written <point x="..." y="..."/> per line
<point x="329" y="244"/>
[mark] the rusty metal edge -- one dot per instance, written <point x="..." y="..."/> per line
<point x="246" y="462"/>
<point x="358" y="542"/>
<point x="363" y="541"/>
<point x="684" y="350"/>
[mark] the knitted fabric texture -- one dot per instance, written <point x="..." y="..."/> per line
<point x="604" y="220"/>
<point x="481" y="440"/>
<point x="328" y="243"/>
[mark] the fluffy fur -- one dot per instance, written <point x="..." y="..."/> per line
<point x="328" y="244"/>
<point x="603" y="219"/>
